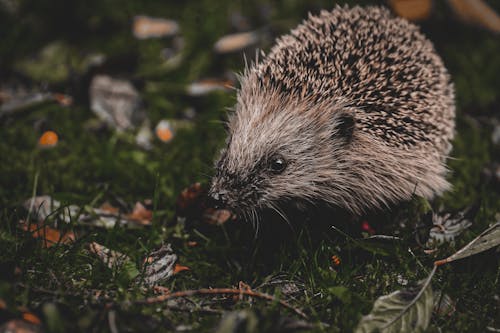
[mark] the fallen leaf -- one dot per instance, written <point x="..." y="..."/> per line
<point x="486" y="240"/>
<point x="189" y="196"/>
<point x="109" y="208"/>
<point x="114" y="101"/>
<point x="144" y="136"/>
<point x="20" y="326"/>
<point x="236" y="42"/>
<point x="48" y="139"/>
<point x="443" y="304"/>
<point x="48" y="235"/>
<point x="238" y="321"/>
<point x="141" y="214"/>
<point x="148" y="27"/>
<point x="17" y="101"/>
<point x="164" y="131"/>
<point x="44" y="206"/>
<point x="478" y="12"/>
<point x="407" y="310"/>
<point x="160" y="265"/>
<point x="206" y="86"/>
<point x="217" y="216"/>
<point x="413" y="10"/>
<point x="111" y="258"/>
<point x="179" y="268"/>
<point x="446" y="228"/>
<point x="63" y="100"/>
<point x="30" y="317"/>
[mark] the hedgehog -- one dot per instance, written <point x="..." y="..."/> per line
<point x="353" y="108"/>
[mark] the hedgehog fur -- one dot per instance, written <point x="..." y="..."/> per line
<point x="353" y="108"/>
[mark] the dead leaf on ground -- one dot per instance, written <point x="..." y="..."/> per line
<point x="189" y="197"/>
<point x="160" y="265"/>
<point x="413" y="10"/>
<point x="48" y="235"/>
<point x="217" y="216"/>
<point x="443" y="304"/>
<point x="477" y="12"/>
<point x="48" y="139"/>
<point x="115" y="101"/>
<point x="191" y="204"/>
<point x="236" y="42"/>
<point x="109" y="208"/>
<point x="105" y="216"/>
<point x="164" y="131"/>
<point x="144" y="136"/>
<point x="20" y="326"/>
<point x="140" y="214"/>
<point x="206" y="86"/>
<point x="488" y="239"/>
<point x="111" y="258"/>
<point x="44" y="206"/>
<point x="407" y="310"/>
<point x="446" y="228"/>
<point x="30" y="317"/>
<point x="149" y="27"/>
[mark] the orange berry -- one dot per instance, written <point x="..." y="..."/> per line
<point x="48" y="139"/>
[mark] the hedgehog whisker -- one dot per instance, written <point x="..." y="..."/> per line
<point x="280" y="213"/>
<point x="257" y="222"/>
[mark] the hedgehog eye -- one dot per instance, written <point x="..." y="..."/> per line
<point x="277" y="164"/>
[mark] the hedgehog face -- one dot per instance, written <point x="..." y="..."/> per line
<point x="278" y="153"/>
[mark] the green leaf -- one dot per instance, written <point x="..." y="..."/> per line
<point x="407" y="310"/>
<point x="342" y="293"/>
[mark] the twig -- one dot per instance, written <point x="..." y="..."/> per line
<point x="219" y="291"/>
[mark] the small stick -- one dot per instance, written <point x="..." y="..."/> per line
<point x="220" y="291"/>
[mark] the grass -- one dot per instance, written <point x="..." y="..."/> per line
<point x="90" y="167"/>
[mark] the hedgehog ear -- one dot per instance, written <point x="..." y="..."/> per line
<point x="344" y="125"/>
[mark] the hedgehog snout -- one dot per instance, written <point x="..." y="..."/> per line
<point x="217" y="199"/>
<point x="218" y="194"/>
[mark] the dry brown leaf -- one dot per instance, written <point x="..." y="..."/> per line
<point x="115" y="101"/>
<point x="164" y="131"/>
<point x="110" y="258"/>
<point x="488" y="239"/>
<point x="63" y="100"/>
<point x="20" y="326"/>
<point x="478" y="12"/>
<point x="109" y="208"/>
<point x="413" y="10"/>
<point x="149" y="27"/>
<point x="179" y="268"/>
<point x="236" y="42"/>
<point x="141" y="214"/>
<point x="48" y="235"/>
<point x="160" y="265"/>
<point x="30" y="317"/>
<point x="217" y="216"/>
<point x="189" y="196"/>
<point x="206" y="86"/>
<point x="48" y="139"/>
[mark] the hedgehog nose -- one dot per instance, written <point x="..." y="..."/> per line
<point x="216" y="200"/>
